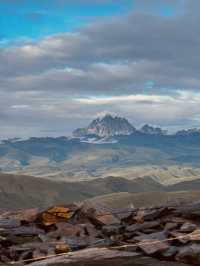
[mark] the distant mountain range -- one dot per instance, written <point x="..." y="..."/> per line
<point x="146" y="129"/>
<point x="106" y="143"/>
<point x="108" y="156"/>
<point x="109" y="126"/>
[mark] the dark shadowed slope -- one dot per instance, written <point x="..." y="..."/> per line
<point x="24" y="191"/>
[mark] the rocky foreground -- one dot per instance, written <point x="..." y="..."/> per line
<point x="91" y="234"/>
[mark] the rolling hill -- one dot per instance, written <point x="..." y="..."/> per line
<point x="18" y="192"/>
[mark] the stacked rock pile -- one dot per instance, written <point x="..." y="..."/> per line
<point x="92" y="234"/>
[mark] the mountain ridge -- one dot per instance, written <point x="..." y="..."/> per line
<point x="106" y="126"/>
<point x="110" y="126"/>
<point x="118" y="144"/>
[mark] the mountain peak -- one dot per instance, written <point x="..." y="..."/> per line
<point x="188" y="132"/>
<point x="147" y="129"/>
<point x="106" y="126"/>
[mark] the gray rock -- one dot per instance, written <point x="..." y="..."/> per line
<point x="188" y="227"/>
<point x="104" y="257"/>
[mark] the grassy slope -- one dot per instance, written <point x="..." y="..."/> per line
<point x="125" y="199"/>
<point x="25" y="191"/>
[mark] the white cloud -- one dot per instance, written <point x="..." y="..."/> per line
<point x="20" y="106"/>
<point x="137" y="98"/>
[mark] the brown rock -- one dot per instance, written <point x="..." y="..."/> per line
<point x="194" y="236"/>
<point x="28" y="215"/>
<point x="155" y="236"/>
<point x="170" y="226"/>
<point x="99" y="214"/>
<point x="39" y="249"/>
<point x="175" y="219"/>
<point x="76" y="243"/>
<point x="189" y="254"/>
<point x="152" y="243"/>
<point x="153" y="247"/>
<point x="107" y="219"/>
<point x="109" y="230"/>
<point x="179" y="237"/>
<point x="125" y="214"/>
<point x="38" y="253"/>
<point x="149" y="215"/>
<point x="90" y="230"/>
<point x="188" y="227"/>
<point x="61" y="229"/>
<point x="57" y="214"/>
<point x="134" y="227"/>
<point x="143" y="226"/>
<point x="65" y="229"/>
<point x="62" y="248"/>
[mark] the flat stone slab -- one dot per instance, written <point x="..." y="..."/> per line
<point x="104" y="257"/>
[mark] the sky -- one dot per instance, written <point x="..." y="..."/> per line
<point x="64" y="62"/>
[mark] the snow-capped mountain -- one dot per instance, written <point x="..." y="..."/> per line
<point x="106" y="126"/>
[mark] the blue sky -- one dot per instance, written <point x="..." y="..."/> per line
<point x="21" y="19"/>
<point x="35" y="18"/>
<point x="64" y="61"/>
